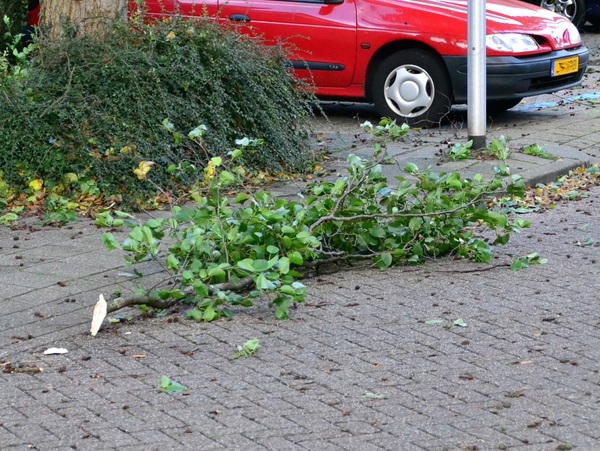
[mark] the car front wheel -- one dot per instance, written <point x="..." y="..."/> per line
<point x="574" y="10"/>
<point x="412" y="86"/>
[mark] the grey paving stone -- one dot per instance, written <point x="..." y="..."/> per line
<point x="112" y="436"/>
<point x="330" y="445"/>
<point x="275" y="443"/>
<point x="8" y="438"/>
<point x="353" y="443"/>
<point x="237" y="441"/>
<point x="490" y="437"/>
<point x="191" y="438"/>
<point x="28" y="280"/>
<point x="409" y="440"/>
<point x="157" y="437"/>
<point x="31" y="433"/>
<point x="9" y="292"/>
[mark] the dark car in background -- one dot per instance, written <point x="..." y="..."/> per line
<point x="577" y="11"/>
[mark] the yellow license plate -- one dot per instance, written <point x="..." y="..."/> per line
<point x="565" y="66"/>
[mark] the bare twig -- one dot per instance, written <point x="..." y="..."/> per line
<point x="463" y="271"/>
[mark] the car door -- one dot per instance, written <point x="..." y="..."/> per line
<point x="187" y="8"/>
<point x="319" y="34"/>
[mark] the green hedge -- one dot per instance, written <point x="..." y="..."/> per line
<point x="95" y="108"/>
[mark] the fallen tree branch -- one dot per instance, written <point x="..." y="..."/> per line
<point x="243" y="284"/>
<point x="157" y="303"/>
<point x="267" y="245"/>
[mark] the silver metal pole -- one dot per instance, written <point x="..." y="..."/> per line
<point x="476" y="76"/>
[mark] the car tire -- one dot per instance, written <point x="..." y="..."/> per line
<point x="498" y="106"/>
<point x="412" y="86"/>
<point x="574" y="10"/>
<point x="595" y="21"/>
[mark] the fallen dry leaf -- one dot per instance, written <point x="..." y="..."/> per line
<point x="100" y="311"/>
<point x="53" y="351"/>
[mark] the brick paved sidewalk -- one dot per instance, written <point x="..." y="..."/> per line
<point x="523" y="374"/>
<point x="356" y="367"/>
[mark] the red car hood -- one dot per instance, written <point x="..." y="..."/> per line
<point x="511" y="15"/>
<point x="446" y="20"/>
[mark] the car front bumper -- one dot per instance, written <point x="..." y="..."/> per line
<point x="510" y="77"/>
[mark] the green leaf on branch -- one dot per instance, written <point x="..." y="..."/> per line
<point x="194" y="314"/>
<point x="241" y="198"/>
<point x="197" y="132"/>
<point x="183" y="214"/>
<point x="502" y="239"/>
<point x="415" y="223"/>
<point x="284" y="265"/>
<point x="411" y="168"/>
<point x="110" y="242"/>
<point x="497" y="218"/>
<point x="163" y="295"/>
<point x="217" y="273"/>
<point x="296" y="258"/>
<point x="247" y="264"/>
<point x="262" y="265"/>
<point x="386" y="259"/>
<point x="377" y="232"/>
<point x="226" y="178"/>
<point x="282" y="311"/>
<point x="524" y="262"/>
<point x="262" y="283"/>
<point x="200" y="289"/>
<point x="172" y="262"/>
<point x="461" y="151"/>
<point x="209" y="314"/>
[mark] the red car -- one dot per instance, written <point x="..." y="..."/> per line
<point x="408" y="57"/>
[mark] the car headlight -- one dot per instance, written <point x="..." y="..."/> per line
<point x="511" y="42"/>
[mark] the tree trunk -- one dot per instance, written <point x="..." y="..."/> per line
<point x="79" y="16"/>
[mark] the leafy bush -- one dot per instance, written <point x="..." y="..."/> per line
<point x="90" y="111"/>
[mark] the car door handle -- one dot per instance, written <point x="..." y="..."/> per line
<point x="239" y="18"/>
